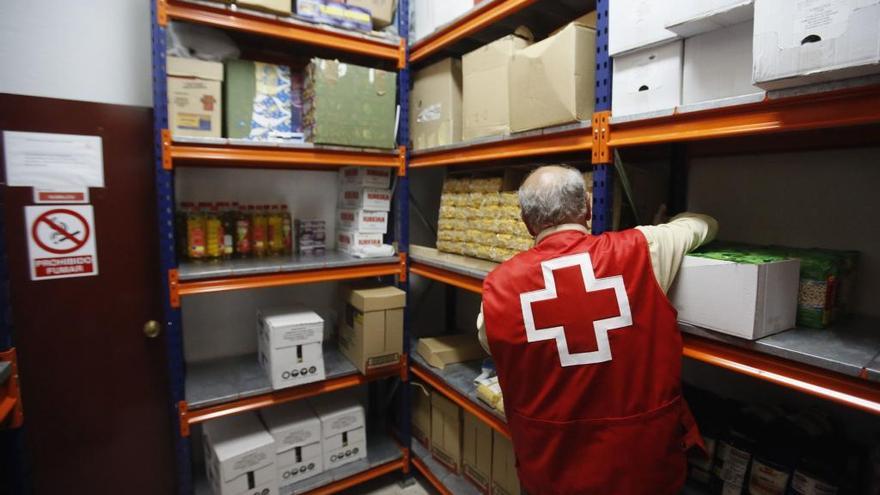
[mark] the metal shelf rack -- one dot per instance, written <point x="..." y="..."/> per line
<point x="209" y="390"/>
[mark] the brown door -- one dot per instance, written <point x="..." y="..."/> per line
<point x="95" y="394"/>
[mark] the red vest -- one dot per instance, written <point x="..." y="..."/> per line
<point x="588" y="355"/>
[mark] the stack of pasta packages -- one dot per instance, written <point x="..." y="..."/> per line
<point x="481" y="220"/>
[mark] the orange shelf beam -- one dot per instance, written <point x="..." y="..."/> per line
<point x="189" y="417"/>
<point x="570" y="141"/>
<point x="816" y="111"/>
<point x="435" y="482"/>
<point x="853" y="392"/>
<point x="465" y="403"/>
<point x="241" y="20"/>
<point x="281" y="279"/>
<point x="359" y="478"/>
<point x="477" y="19"/>
<point x="225" y="156"/>
<point x="11" y="410"/>
<point x="461" y="281"/>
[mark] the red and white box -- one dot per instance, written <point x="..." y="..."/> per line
<point x="365" y="198"/>
<point x="363" y="221"/>
<point x="376" y="177"/>
<point x="356" y="242"/>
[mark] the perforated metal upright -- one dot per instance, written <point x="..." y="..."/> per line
<point x="602" y="155"/>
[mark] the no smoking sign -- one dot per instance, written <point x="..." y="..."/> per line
<point x="61" y="241"/>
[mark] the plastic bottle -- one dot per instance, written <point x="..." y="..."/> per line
<point x="227" y="218"/>
<point x="733" y="456"/>
<point x="213" y="233"/>
<point x="180" y="228"/>
<point x="242" y="232"/>
<point x="287" y="229"/>
<point x="259" y="237"/>
<point x="276" y="234"/>
<point x="195" y="233"/>
<point x="774" y="458"/>
<point x="821" y="465"/>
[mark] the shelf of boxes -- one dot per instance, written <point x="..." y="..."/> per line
<point x="287" y="28"/>
<point x="441" y="478"/>
<point x="838" y="363"/>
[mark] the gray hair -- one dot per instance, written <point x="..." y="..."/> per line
<point x="551" y="196"/>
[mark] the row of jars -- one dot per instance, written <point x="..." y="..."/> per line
<point x="214" y="231"/>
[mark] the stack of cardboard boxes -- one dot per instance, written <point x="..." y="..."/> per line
<point x="364" y="205"/>
<point x="371" y="326"/>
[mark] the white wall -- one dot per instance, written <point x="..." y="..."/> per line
<point x="93" y="50"/>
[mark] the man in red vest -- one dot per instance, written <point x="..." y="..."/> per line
<point x="587" y="348"/>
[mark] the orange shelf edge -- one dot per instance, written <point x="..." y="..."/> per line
<point x="225" y="156"/>
<point x="447" y="277"/>
<point x="475" y="20"/>
<point x="496" y="423"/>
<point x="435" y="482"/>
<point x="241" y="20"/>
<point x="358" y="478"/>
<point x="11" y="410"/>
<point x="280" y="279"/>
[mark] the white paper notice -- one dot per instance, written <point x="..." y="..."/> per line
<point x="53" y="161"/>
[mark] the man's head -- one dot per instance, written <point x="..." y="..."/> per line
<point x="551" y="196"/>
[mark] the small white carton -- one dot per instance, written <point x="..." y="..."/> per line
<point x="363" y="221"/>
<point x="290" y="346"/>
<point x="692" y="17"/>
<point x="356" y="242"/>
<point x="647" y="81"/>
<point x="240" y="456"/>
<point x="637" y="24"/>
<point x="741" y="299"/>
<point x="718" y="64"/>
<point x="376" y="177"/>
<point x="812" y="41"/>
<point x="343" y="428"/>
<point x="297" y="433"/>
<point x="355" y="197"/>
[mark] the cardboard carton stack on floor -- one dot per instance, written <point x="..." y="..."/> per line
<point x="364" y="206"/>
<point x="371" y="328"/>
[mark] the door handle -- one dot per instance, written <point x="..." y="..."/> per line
<point x="152" y="329"/>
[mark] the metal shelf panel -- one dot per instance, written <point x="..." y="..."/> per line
<point x="221" y="152"/>
<point x="287" y="28"/>
<point x="457" y="264"/>
<point x="570" y="138"/>
<point x="441" y="478"/>
<point x="201" y="270"/>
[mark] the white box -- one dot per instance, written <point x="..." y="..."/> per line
<point x="300" y="463"/>
<point x="355" y="242"/>
<point x="372" y="199"/>
<point x="342" y="428"/>
<point x="290" y="346"/>
<point x="239" y="456"/>
<point x="636" y="24"/>
<point x="741" y="299"/>
<point x="691" y="17"/>
<point x="347" y="446"/>
<point x="363" y="221"/>
<point x="376" y="177"/>
<point x="647" y="80"/>
<point x="718" y="64"/>
<point x="297" y="433"/>
<point x="809" y="41"/>
<point x="428" y="15"/>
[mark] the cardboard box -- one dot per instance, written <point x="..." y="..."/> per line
<point x="485" y="83"/>
<point x="356" y="242"/>
<point x="637" y="24"/>
<point x="297" y="434"/>
<point x="290" y="346"/>
<point x="343" y="429"/>
<point x="378" y="178"/>
<point x="421" y="413"/>
<point x="446" y="432"/>
<point x="552" y="82"/>
<point x="195" y="102"/>
<point x="476" y="456"/>
<point x="381" y="11"/>
<point x="692" y="17"/>
<point x="371" y="334"/>
<point x="718" y="64"/>
<point x="277" y="6"/>
<point x="364" y="221"/>
<point x="239" y="455"/>
<point x="356" y="197"/>
<point x="259" y="101"/>
<point x="428" y="15"/>
<point x="799" y="43"/>
<point x="647" y="80"/>
<point x="435" y="105"/>
<point x="741" y="299"/>
<point x="504" y="478"/>
<point x="349" y="105"/>
<point x="450" y="349"/>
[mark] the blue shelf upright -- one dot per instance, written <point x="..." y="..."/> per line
<point x="603" y="158"/>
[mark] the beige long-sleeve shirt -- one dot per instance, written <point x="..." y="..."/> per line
<point x="667" y="243"/>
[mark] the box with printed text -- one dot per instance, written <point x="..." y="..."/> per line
<point x="290" y="346"/>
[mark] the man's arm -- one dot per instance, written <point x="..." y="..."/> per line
<point x="670" y="242"/>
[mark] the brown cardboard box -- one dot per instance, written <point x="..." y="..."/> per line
<point x="194" y="97"/>
<point x="446" y="432"/>
<point x="504" y="478"/>
<point x="449" y="349"/>
<point x="476" y="455"/>
<point x="552" y="81"/>
<point x="381" y="11"/>
<point x="435" y="105"/>
<point x="371" y="332"/>
<point x="276" y="6"/>
<point x="485" y="99"/>
<point x="421" y="413"/>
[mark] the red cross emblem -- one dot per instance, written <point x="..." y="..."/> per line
<point x="549" y="297"/>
